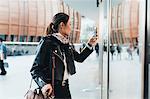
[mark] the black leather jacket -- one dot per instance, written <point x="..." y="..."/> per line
<point x="41" y="70"/>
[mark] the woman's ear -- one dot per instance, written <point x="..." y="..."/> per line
<point x="61" y="24"/>
<point x="61" y="27"/>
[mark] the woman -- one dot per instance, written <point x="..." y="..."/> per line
<point x="57" y="43"/>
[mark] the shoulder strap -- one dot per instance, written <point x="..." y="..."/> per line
<point x="29" y="87"/>
<point x="53" y="74"/>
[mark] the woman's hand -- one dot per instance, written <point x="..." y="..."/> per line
<point x="92" y="41"/>
<point x="47" y="90"/>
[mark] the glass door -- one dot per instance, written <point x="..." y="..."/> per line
<point x="123" y="49"/>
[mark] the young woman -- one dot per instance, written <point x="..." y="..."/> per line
<point x="56" y="44"/>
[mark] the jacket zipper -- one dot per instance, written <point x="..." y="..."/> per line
<point x="60" y="59"/>
<point x="58" y="56"/>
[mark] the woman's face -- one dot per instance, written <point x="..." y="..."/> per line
<point x="66" y="29"/>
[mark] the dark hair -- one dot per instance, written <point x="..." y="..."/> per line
<point x="57" y="19"/>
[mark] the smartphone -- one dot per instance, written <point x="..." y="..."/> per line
<point x="95" y="35"/>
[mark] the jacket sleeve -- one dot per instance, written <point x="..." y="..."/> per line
<point x="80" y="57"/>
<point x="41" y="62"/>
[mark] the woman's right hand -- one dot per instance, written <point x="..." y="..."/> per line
<point x="47" y="90"/>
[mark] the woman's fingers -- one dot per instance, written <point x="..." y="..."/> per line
<point x="93" y="41"/>
<point x="47" y="90"/>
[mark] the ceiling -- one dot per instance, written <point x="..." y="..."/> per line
<point x="87" y="8"/>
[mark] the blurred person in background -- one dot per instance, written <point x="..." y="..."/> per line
<point x="119" y="49"/>
<point x="112" y="51"/>
<point x="130" y="51"/>
<point x="3" y="55"/>
<point x="97" y="49"/>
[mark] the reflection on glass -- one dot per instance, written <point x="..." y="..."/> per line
<point x="125" y="66"/>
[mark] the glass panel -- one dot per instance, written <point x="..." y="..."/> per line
<point x="2" y="36"/>
<point x="23" y="38"/>
<point x="13" y="38"/>
<point x="148" y="47"/>
<point x="125" y="64"/>
<point x="38" y="38"/>
<point x="148" y="30"/>
<point x="31" y="38"/>
<point x="104" y="24"/>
